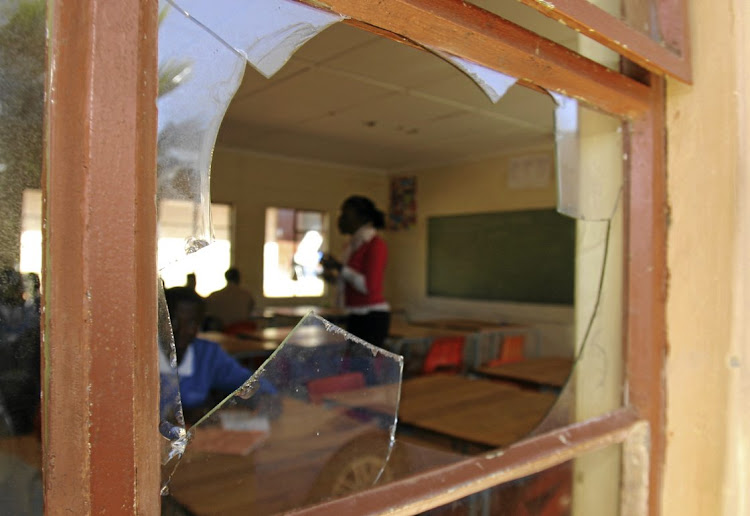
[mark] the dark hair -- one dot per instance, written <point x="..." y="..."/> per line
<point x="232" y="275"/>
<point x="366" y="209"/>
<point x="177" y="295"/>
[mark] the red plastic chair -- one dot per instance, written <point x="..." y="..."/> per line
<point x="511" y="351"/>
<point x="319" y="387"/>
<point x="445" y="354"/>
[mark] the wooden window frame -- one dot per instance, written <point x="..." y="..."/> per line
<point x="100" y="382"/>
<point x="671" y="58"/>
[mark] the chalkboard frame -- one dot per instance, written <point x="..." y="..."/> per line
<point x="525" y="256"/>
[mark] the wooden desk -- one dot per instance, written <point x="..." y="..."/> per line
<point x="478" y="411"/>
<point x="240" y="347"/>
<point x="263" y="342"/>
<point x="403" y="330"/>
<point x="308" y="336"/>
<point x="275" y="334"/>
<point x="468" y="325"/>
<point x="309" y="455"/>
<point x="547" y="371"/>
<point x="295" y="313"/>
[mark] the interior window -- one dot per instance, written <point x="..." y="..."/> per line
<point x="209" y="264"/>
<point x="294" y="238"/>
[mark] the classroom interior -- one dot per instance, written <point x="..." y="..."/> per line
<point x="350" y="113"/>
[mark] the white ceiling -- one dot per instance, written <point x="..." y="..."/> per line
<point x="352" y="98"/>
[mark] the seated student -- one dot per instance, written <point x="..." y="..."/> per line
<point x="204" y="369"/>
<point x="232" y="305"/>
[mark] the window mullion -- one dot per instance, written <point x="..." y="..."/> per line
<point x="446" y="484"/>
<point x="616" y="34"/>
<point x="100" y="378"/>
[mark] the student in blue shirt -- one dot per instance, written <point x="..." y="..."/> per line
<point x="206" y="372"/>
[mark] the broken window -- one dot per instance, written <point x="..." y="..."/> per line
<point x="553" y="153"/>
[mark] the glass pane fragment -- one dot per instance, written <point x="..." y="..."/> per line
<point x="317" y="420"/>
<point x="590" y="484"/>
<point x="171" y="420"/>
<point x="202" y="54"/>
<point x="22" y="79"/>
<point x="203" y="75"/>
<point x="646" y="17"/>
<point x="493" y="83"/>
<point x="584" y="190"/>
<point x="265" y="33"/>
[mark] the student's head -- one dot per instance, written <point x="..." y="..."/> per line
<point x="186" y="311"/>
<point x="11" y="287"/>
<point x="232" y="276"/>
<point x="356" y="211"/>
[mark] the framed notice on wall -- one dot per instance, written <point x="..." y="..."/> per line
<point x="402" y="213"/>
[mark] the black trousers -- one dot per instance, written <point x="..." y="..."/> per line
<point x="371" y="327"/>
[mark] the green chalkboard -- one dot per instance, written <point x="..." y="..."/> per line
<point x="524" y="256"/>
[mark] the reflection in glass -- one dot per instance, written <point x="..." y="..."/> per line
<point x="641" y="15"/>
<point x="22" y="74"/>
<point x="316" y="421"/>
<point x="590" y="484"/>
<point x="171" y="420"/>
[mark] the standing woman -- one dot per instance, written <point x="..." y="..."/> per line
<point x="362" y="269"/>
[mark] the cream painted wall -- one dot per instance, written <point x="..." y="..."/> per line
<point x="472" y="187"/>
<point x="706" y="455"/>
<point x="252" y="182"/>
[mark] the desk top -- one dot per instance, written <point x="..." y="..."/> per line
<point x="268" y="339"/>
<point x="469" y="325"/>
<point x="309" y="451"/>
<point x="480" y="411"/>
<point x="400" y="329"/>
<point x="237" y="345"/>
<point x="298" y="312"/>
<point x="549" y="371"/>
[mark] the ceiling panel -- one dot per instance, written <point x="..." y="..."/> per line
<point x="356" y="99"/>
<point x="342" y="150"/>
<point x="392" y="62"/>
<point x="386" y="118"/>
<point x="311" y="93"/>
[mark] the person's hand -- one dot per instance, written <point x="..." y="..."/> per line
<point x="330" y="263"/>
<point x="329" y="275"/>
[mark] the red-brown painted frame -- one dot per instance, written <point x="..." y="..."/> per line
<point x="447" y="484"/>
<point x="671" y="58"/>
<point x="465" y="30"/>
<point x="100" y="376"/>
<point x="100" y="384"/>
